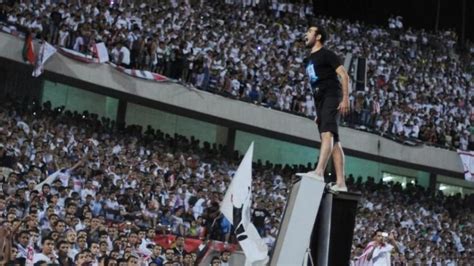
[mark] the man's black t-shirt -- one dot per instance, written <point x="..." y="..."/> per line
<point x="321" y="70"/>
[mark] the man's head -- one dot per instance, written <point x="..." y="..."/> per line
<point x="315" y="34"/>
<point x="180" y="242"/>
<point x="103" y="247"/>
<point x="60" y="226"/>
<point x="71" y="208"/>
<point x="80" y="258"/>
<point x="63" y="248"/>
<point x="34" y="235"/>
<point x="132" y="261"/>
<point x="141" y="234"/>
<point x="378" y="236"/>
<point x="23" y="238"/>
<point x="48" y="245"/>
<point x="188" y="259"/>
<point x="95" y="249"/>
<point x="71" y="236"/>
<point x="151" y="233"/>
<point x="133" y="238"/>
<point x="216" y="261"/>
<point x="225" y="256"/>
<point x="157" y="250"/>
<point x="14" y="253"/>
<point x="169" y="254"/>
<point x="82" y="242"/>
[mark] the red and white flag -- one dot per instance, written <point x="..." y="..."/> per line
<point x="363" y="260"/>
<point x="29" y="49"/>
<point x="46" y="51"/>
<point x="143" y="74"/>
<point x="78" y="56"/>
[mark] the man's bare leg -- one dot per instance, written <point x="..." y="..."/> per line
<point x="339" y="162"/>
<point x="327" y="143"/>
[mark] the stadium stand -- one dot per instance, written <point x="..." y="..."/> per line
<point x="77" y="190"/>
<point x="264" y="65"/>
<point x="117" y="194"/>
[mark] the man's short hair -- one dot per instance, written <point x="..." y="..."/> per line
<point x="225" y="251"/>
<point x="61" y="242"/>
<point x="376" y="232"/>
<point x="132" y="257"/>
<point x="46" y="239"/>
<point x="215" y="258"/>
<point x="39" y="263"/>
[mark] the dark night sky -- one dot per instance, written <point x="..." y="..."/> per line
<point x="416" y="13"/>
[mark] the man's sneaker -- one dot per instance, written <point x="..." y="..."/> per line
<point x="337" y="188"/>
<point x="312" y="174"/>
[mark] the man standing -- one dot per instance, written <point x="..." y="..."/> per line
<point x="378" y="252"/>
<point x="331" y="98"/>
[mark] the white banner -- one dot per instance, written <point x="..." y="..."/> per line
<point x="46" y="51"/>
<point x="467" y="158"/>
<point x="236" y="208"/>
<point x="101" y="52"/>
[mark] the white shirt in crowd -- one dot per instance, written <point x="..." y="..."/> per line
<point x="125" y="55"/>
<point x="381" y="255"/>
<point x="78" y="43"/>
<point x="42" y="257"/>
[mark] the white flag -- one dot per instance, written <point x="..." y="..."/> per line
<point x="467" y="158"/>
<point x="46" y="51"/>
<point x="236" y="208"/>
<point x="101" y="52"/>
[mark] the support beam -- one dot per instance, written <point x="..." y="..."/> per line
<point x="226" y="136"/>
<point x="121" y="113"/>
<point x="432" y="184"/>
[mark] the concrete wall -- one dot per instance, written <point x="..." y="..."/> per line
<point x="79" y="100"/>
<point x="266" y="149"/>
<point x="170" y="123"/>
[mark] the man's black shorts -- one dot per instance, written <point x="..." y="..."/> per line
<point x="328" y="115"/>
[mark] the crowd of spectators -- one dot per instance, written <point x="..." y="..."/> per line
<point x="75" y="189"/>
<point x="72" y="179"/>
<point x="429" y="228"/>
<point x="417" y="86"/>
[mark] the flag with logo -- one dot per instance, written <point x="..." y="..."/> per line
<point x="236" y="208"/>
<point x="46" y="51"/>
<point x="467" y="158"/>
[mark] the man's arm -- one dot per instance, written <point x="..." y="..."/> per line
<point x="5" y="244"/>
<point x="394" y="243"/>
<point x="79" y="163"/>
<point x="344" y="77"/>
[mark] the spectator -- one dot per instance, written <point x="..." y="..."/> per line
<point x="123" y="55"/>
<point x="378" y="252"/>
<point x="47" y="255"/>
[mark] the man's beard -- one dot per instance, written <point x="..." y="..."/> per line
<point x="310" y="44"/>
